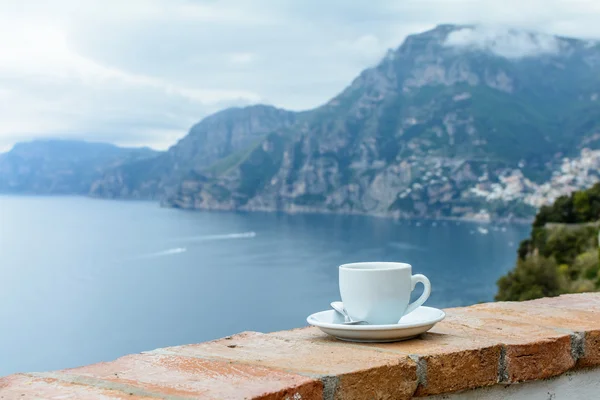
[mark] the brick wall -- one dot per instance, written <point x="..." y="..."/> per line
<point x="474" y="347"/>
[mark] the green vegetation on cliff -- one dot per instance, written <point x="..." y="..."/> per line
<point x="561" y="255"/>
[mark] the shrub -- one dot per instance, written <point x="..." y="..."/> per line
<point x="560" y="258"/>
<point x="533" y="277"/>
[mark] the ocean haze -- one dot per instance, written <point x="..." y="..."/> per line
<point x="85" y="280"/>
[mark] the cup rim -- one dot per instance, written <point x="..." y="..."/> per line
<point x="379" y="266"/>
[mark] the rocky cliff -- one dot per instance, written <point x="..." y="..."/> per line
<point x="440" y="120"/>
<point x="211" y="146"/>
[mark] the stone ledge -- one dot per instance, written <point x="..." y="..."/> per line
<point x="474" y="347"/>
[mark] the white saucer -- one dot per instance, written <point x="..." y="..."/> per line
<point x="419" y="321"/>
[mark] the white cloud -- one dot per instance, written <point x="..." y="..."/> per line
<point x="505" y="42"/>
<point x="56" y="92"/>
<point x="38" y="50"/>
<point x="143" y="71"/>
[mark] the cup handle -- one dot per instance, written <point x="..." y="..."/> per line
<point x="426" y="292"/>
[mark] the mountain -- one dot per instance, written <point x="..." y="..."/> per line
<point x="61" y="166"/>
<point x="459" y="121"/>
<point x="220" y="139"/>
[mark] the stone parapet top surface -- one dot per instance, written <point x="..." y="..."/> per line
<point x="477" y="346"/>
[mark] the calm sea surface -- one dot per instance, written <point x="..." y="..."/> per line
<point x="85" y="280"/>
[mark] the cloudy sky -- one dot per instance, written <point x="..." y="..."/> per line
<point x="140" y="72"/>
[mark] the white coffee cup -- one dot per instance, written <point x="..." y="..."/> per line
<point x="379" y="292"/>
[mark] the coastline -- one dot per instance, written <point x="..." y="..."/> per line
<point x="391" y="216"/>
<point x="315" y="211"/>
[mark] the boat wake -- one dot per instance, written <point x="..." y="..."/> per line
<point x="228" y="236"/>
<point x="168" y="252"/>
<point x="195" y="239"/>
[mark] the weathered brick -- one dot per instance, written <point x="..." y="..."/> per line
<point x="591" y="350"/>
<point x="359" y="372"/>
<point x="451" y="363"/>
<point x="23" y="386"/>
<point x="538" y="360"/>
<point x="580" y="322"/>
<point x="190" y="377"/>
<point x="522" y="342"/>
<point x="541" y="313"/>
<point x="583" y="301"/>
<point x="390" y="381"/>
<point x="446" y="363"/>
